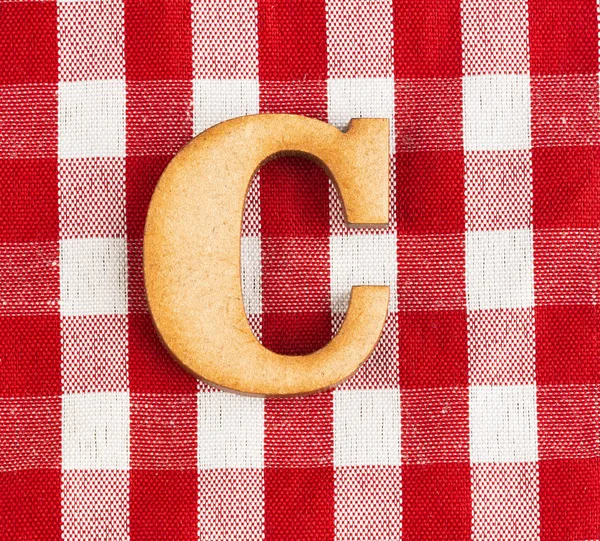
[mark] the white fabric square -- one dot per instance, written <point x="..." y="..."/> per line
<point x="499" y="269"/>
<point x="362" y="260"/>
<point x="230" y="431"/>
<point x="496" y="112"/>
<point x="95" y="431"/>
<point x="366" y="427"/>
<point x="217" y="100"/>
<point x="95" y="505"/>
<point x="361" y="98"/>
<point x="251" y="275"/>
<point x="503" y="423"/>
<point x="91" y="119"/>
<point x="93" y="276"/>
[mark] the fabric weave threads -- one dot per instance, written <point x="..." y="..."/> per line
<point x="478" y="414"/>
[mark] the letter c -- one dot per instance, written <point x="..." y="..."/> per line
<point x="192" y="263"/>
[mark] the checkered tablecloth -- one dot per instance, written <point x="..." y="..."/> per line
<point x="478" y="415"/>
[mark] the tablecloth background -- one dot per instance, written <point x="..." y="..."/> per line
<point x="478" y="415"/>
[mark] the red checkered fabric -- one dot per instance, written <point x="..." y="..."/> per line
<point x="477" y="416"/>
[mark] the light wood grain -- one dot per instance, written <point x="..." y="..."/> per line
<point x="192" y="266"/>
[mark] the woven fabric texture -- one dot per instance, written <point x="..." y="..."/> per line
<point x="477" y="416"/>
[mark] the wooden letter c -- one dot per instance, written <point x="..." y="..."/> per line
<point x="192" y="265"/>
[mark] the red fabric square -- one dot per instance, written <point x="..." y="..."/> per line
<point x="28" y="206"/>
<point x="29" y="119"/>
<point x="151" y="368"/>
<point x="299" y="431"/>
<point x="30" y="505"/>
<point x="431" y="192"/>
<point x="563" y="37"/>
<point x="163" y="504"/>
<point x="436" y="502"/>
<point x="565" y="110"/>
<point x="432" y="347"/>
<point x="570" y="499"/>
<point x="143" y="173"/>
<point x="566" y="266"/>
<point x="431" y="272"/>
<point x="30" y="433"/>
<point x="294" y="195"/>
<point x="163" y="432"/>
<point x="305" y="97"/>
<point x="28" y="43"/>
<point x="159" y="117"/>
<point x="296" y="300"/>
<point x="427" y="39"/>
<point x="290" y="40"/>
<point x="435" y="425"/>
<point x="428" y="114"/>
<point x="30" y="353"/>
<point x="289" y="513"/>
<point x="29" y="278"/>
<point x="567" y="344"/>
<point x="568" y="421"/>
<point x="566" y="187"/>
<point x="158" y="40"/>
<point x="296" y="333"/>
